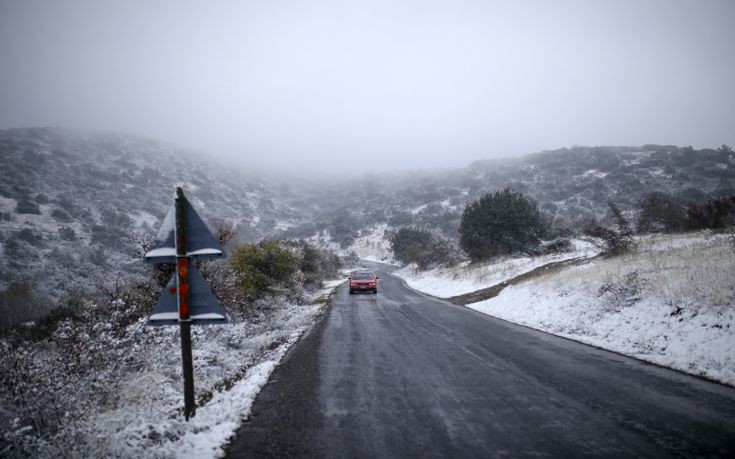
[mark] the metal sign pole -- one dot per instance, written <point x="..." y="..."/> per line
<point x="182" y="296"/>
<point x="186" y="299"/>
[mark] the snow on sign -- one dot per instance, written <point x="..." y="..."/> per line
<point x="187" y="298"/>
<point x="200" y="243"/>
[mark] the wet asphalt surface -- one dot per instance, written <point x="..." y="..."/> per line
<point x="400" y="374"/>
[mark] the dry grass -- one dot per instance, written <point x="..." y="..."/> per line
<point x="490" y="272"/>
<point x="692" y="270"/>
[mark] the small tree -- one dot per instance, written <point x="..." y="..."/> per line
<point x="718" y="214"/>
<point x="330" y="263"/>
<point x="658" y="212"/>
<point x="310" y="264"/>
<point x="413" y="245"/>
<point x="617" y="242"/>
<point x="500" y="223"/>
<point x="225" y="232"/>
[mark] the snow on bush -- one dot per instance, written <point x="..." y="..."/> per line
<point x="374" y="245"/>
<point x="672" y="302"/>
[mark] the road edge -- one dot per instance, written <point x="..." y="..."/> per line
<point x="647" y="362"/>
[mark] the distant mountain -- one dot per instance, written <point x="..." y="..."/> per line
<point x="571" y="185"/>
<point x="70" y="201"/>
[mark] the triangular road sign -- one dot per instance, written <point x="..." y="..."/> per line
<point x="203" y="306"/>
<point x="200" y="243"/>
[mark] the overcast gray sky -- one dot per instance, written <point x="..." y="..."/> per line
<point x="327" y="85"/>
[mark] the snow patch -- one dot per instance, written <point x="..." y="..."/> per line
<point x="467" y="277"/>
<point x="7" y="205"/>
<point x="374" y="246"/>
<point x="282" y="226"/>
<point x="143" y="219"/>
<point x="594" y="173"/>
<point x="216" y="422"/>
<point x="417" y="210"/>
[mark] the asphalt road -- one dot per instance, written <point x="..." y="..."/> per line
<point x="401" y="374"/>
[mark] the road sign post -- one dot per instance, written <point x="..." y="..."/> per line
<point x="182" y="297"/>
<point x="187" y="298"/>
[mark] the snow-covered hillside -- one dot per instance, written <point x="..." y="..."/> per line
<point x="571" y="185"/>
<point x="73" y="206"/>
<point x="670" y="302"/>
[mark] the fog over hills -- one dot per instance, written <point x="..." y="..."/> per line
<point x="314" y="86"/>
<point x="566" y="166"/>
<point x="71" y="203"/>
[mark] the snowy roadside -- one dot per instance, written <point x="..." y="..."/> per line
<point x="466" y="277"/>
<point x="130" y="406"/>
<point x="671" y="302"/>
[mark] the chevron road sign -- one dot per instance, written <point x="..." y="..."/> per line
<point x="200" y="243"/>
<point x="203" y="307"/>
<point x="186" y="299"/>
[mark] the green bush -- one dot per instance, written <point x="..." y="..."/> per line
<point x="310" y="264"/>
<point x="31" y="236"/>
<point x="500" y="223"/>
<point x="61" y="215"/>
<point x="330" y="264"/>
<point x="659" y="212"/>
<point x="67" y="233"/>
<point x="264" y="267"/>
<point x="413" y="245"/>
<point x="27" y="207"/>
<point x="717" y="214"/>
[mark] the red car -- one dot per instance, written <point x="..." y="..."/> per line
<point x="363" y="281"/>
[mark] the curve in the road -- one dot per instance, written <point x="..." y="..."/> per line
<point x="401" y="374"/>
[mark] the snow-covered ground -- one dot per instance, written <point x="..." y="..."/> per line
<point x="129" y="405"/>
<point x="148" y="425"/>
<point x="671" y="302"/>
<point x="466" y="277"/>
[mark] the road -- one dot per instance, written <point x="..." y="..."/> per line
<point x="401" y="374"/>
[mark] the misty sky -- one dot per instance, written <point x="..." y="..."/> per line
<point x="374" y="85"/>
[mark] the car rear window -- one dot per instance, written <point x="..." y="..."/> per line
<point x="361" y="276"/>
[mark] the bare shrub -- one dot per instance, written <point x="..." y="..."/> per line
<point x="623" y="291"/>
<point x="617" y="241"/>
